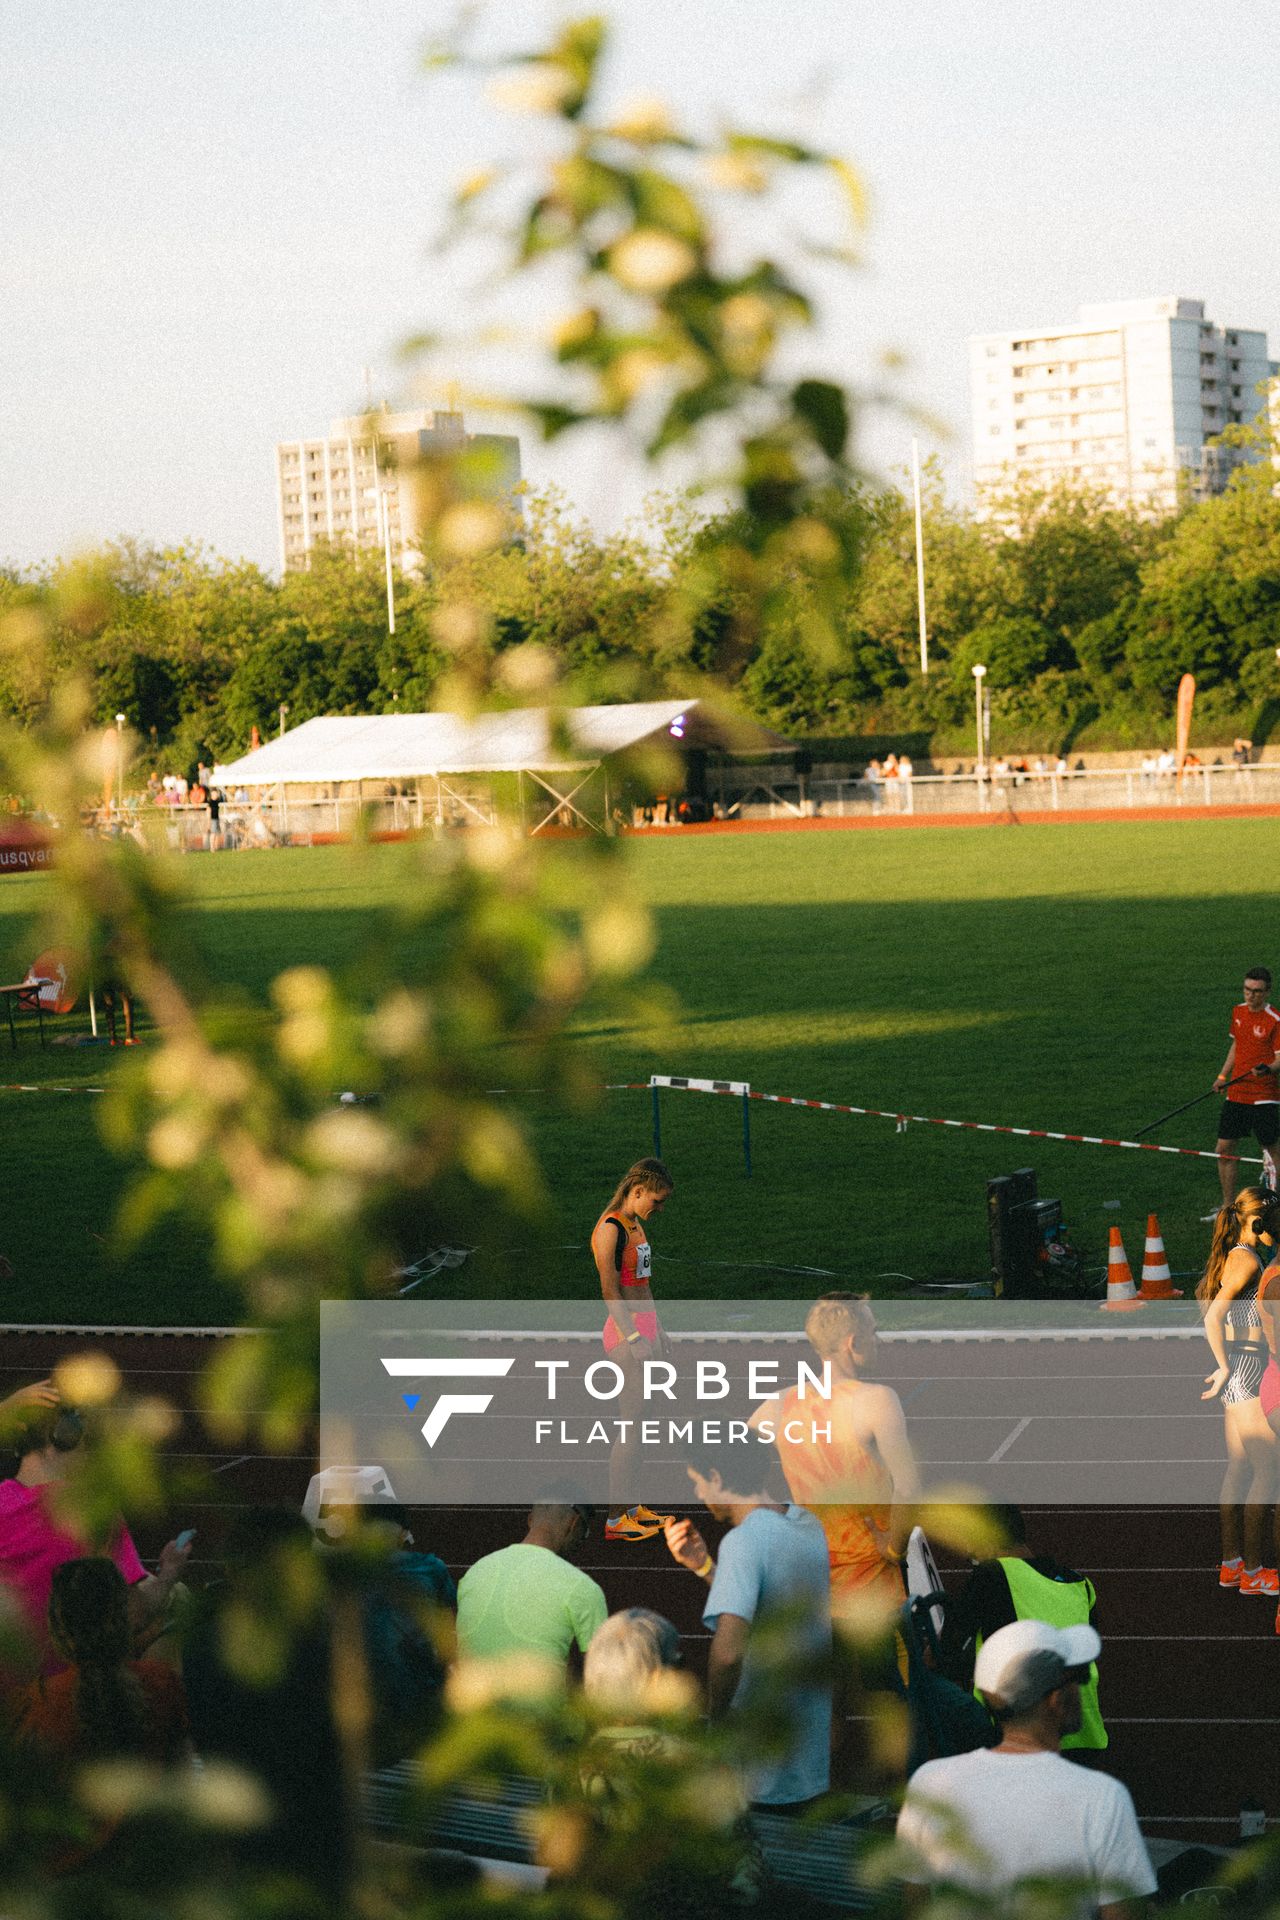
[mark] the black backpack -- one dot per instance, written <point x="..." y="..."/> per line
<point x="944" y="1718"/>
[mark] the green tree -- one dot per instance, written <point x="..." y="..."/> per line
<point x="1068" y="556"/>
<point x="1014" y="648"/>
<point x="1212" y="597"/>
<point x="961" y="586"/>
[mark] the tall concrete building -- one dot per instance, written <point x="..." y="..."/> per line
<point x="1127" y="398"/>
<point x="337" y="489"/>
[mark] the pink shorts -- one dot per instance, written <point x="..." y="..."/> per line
<point x="1269" y="1390"/>
<point x="646" y="1324"/>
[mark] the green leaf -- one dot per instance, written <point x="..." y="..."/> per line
<point x="662" y="202"/>
<point x="553" y="419"/>
<point x="589" y="185"/>
<point x="825" y="411"/>
<point x="577" y="49"/>
<point x="690" y="408"/>
<point x="854" y="191"/>
<point x="763" y="148"/>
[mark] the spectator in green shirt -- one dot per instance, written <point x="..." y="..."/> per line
<point x="527" y="1598"/>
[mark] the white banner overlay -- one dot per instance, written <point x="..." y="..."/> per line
<point x="493" y="1402"/>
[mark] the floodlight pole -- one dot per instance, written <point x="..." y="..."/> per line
<point x="979" y="673"/>
<point x="384" y="516"/>
<point x="924" y="631"/>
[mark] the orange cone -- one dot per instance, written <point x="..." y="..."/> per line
<point x="1121" y="1292"/>
<point x="1156" y="1278"/>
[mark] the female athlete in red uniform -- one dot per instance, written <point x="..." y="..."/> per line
<point x="631" y="1332"/>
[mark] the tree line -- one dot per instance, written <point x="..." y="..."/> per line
<point x="1084" y="614"/>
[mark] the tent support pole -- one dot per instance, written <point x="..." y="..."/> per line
<point x="565" y="800"/>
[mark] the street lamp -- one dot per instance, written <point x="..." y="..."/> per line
<point x="120" y="719"/>
<point x="979" y="674"/>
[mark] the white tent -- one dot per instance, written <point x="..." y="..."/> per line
<point x="340" y="750"/>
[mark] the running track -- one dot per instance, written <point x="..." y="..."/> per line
<point x="1190" y="1675"/>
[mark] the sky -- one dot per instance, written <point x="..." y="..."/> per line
<point x="215" y="216"/>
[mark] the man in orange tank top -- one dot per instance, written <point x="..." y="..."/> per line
<point x="859" y="1485"/>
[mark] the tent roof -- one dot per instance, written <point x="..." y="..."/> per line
<point x="400" y="746"/>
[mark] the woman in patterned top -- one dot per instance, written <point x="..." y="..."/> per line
<point x="1243" y="1244"/>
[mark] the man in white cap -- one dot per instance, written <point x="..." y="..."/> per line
<point x="1020" y="1811"/>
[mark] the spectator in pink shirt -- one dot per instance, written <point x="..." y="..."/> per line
<point x="34" y="1540"/>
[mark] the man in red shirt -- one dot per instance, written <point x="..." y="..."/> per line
<point x="1251" y="1105"/>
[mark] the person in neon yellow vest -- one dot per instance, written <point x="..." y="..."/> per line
<point x="1022" y="1585"/>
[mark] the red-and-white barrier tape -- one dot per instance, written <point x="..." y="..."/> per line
<point x="17" y="1087"/>
<point x="739" y="1090"/>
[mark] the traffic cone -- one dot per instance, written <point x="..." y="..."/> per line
<point x="1121" y="1292"/>
<point x="1156" y="1279"/>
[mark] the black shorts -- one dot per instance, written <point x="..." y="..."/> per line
<point x="1240" y="1118"/>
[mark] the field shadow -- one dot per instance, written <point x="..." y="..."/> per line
<point x="1060" y="1009"/>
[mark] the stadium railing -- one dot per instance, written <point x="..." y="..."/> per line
<point x="1050" y="792"/>
<point x="276" y="821"/>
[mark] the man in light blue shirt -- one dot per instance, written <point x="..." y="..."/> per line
<point x="769" y="1614"/>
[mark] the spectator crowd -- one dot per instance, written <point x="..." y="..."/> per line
<point x="810" y="1634"/>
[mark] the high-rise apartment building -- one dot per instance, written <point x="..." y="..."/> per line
<point x="1128" y="398"/>
<point x="337" y="489"/>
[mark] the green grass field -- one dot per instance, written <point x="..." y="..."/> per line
<point x="1070" y="977"/>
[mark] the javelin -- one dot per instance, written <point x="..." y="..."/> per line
<point x="1174" y="1112"/>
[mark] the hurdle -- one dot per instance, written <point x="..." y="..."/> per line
<point x="683" y="1084"/>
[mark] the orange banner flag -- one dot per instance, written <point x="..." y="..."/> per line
<point x="1186" y="695"/>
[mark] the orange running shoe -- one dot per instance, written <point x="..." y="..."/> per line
<point x="1229" y="1572"/>
<point x="1264" y="1581"/>
<point x="649" y="1518"/>
<point x="629" y="1528"/>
